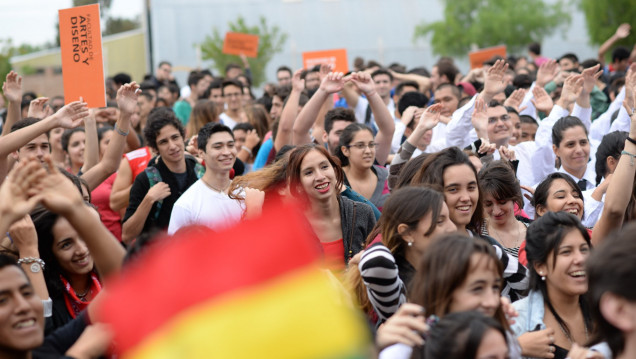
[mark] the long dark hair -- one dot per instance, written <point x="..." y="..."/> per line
<point x="296" y="158"/>
<point x="541" y="193"/>
<point x="44" y="220"/>
<point x="498" y="179"/>
<point x="432" y="172"/>
<point x="346" y="137"/>
<point x="611" y="146"/>
<point x="543" y="238"/>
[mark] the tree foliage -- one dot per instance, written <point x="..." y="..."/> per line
<point x="270" y="42"/>
<point x="603" y="17"/>
<point x="486" y="23"/>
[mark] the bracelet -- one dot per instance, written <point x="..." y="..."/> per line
<point x="120" y="131"/>
<point x="631" y="140"/>
<point x="29" y="260"/>
<point x="630" y="155"/>
<point x="246" y="149"/>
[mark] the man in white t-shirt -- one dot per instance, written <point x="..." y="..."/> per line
<point x="382" y="80"/>
<point x="232" y="91"/>
<point x="206" y="202"/>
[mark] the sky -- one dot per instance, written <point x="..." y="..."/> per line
<point x="33" y="21"/>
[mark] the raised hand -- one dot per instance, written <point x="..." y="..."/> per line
<point x="298" y="84"/>
<point x="430" y="117"/>
<point x="127" y="98"/>
<point x="507" y="154"/>
<point x="572" y="87"/>
<point x="252" y="139"/>
<point x="494" y="80"/>
<point x="623" y="31"/>
<point x="515" y="99"/>
<point x="12" y="87"/>
<point x="542" y="101"/>
<point x="71" y="115"/>
<point x="325" y="69"/>
<point x="406" y="326"/>
<point x="58" y="193"/>
<point x="486" y="147"/>
<point x="547" y="72"/>
<point x="408" y="114"/>
<point x="590" y="75"/>
<point x="363" y="82"/>
<point x="38" y="108"/>
<point x="17" y="190"/>
<point x="333" y="82"/>
<point x="24" y="235"/>
<point x="479" y="118"/>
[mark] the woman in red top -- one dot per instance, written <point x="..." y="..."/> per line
<point x="101" y="194"/>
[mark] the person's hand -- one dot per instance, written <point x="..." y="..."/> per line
<point x="254" y="200"/>
<point x="623" y="31"/>
<point x="192" y="147"/>
<point x="325" y="69"/>
<point x="590" y="75"/>
<point x="530" y="191"/>
<point x="252" y="139"/>
<point x="58" y="193"/>
<point x="23" y="234"/>
<point x="71" y="115"/>
<point x="333" y="82"/>
<point x="479" y="119"/>
<point x="298" y="84"/>
<point x="246" y="63"/>
<point x="515" y="99"/>
<point x="542" y="100"/>
<point x="127" y="97"/>
<point x="158" y="192"/>
<point x="17" y="191"/>
<point x="537" y="344"/>
<point x="38" y="108"/>
<point x="106" y="115"/>
<point x="430" y="117"/>
<point x="406" y="326"/>
<point x="507" y="154"/>
<point x="12" y="87"/>
<point x="363" y="82"/>
<point x="408" y="114"/>
<point x="508" y="310"/>
<point x="572" y="88"/>
<point x="494" y="80"/>
<point x="546" y="73"/>
<point x="577" y="352"/>
<point x="93" y="343"/>
<point x="355" y="260"/>
<point x="486" y="147"/>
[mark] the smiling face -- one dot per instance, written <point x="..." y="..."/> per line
<point x="481" y="290"/>
<point x="382" y="85"/>
<point x="498" y="211"/>
<point x="460" y="194"/>
<point x="38" y="147"/>
<point x="528" y="132"/>
<point x="493" y="346"/>
<point x="220" y="152"/>
<point x="21" y="313"/>
<point x="76" y="145"/>
<point x="233" y="96"/>
<point x="361" y="150"/>
<point x="574" y="150"/>
<point x="170" y="144"/>
<point x="419" y="237"/>
<point x="515" y="124"/>
<point x="566" y="273"/>
<point x="70" y="250"/>
<point x="317" y="176"/>
<point x="499" y="125"/>
<point x="562" y="197"/>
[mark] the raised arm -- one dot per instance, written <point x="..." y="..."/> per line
<point x="332" y="83"/>
<point x="285" y="132"/>
<point x="59" y="195"/>
<point x="127" y="102"/>
<point x="494" y="81"/>
<point x="621" y="33"/>
<point x="383" y="118"/>
<point x="616" y="200"/>
<point x="121" y="187"/>
<point x="12" y="89"/>
<point x="423" y="82"/>
<point x="91" y="151"/>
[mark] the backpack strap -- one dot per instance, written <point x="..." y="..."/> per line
<point x="154" y="177"/>
<point x="199" y="170"/>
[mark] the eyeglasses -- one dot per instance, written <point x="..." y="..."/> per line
<point x="362" y="146"/>
<point x="504" y="118"/>
<point x="233" y="94"/>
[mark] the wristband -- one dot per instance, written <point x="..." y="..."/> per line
<point x="30" y="260"/>
<point x="246" y="149"/>
<point x="630" y="155"/>
<point x="120" y="131"/>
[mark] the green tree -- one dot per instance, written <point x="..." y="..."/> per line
<point x="603" y="17"/>
<point x="270" y="42"/>
<point x="115" y="25"/>
<point x="487" y="23"/>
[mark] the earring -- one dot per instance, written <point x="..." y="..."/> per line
<point x="542" y="277"/>
<point x="410" y="244"/>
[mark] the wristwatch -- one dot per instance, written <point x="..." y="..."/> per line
<point x="36" y="264"/>
<point x="35" y="267"/>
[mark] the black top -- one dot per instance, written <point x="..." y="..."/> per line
<point x="60" y="341"/>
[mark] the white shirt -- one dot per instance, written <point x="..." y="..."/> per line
<point x="202" y="205"/>
<point x="361" y="111"/>
<point x="227" y="120"/>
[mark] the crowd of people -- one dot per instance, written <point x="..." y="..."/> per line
<point x="476" y="215"/>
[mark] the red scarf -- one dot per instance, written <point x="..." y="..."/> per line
<point x="73" y="304"/>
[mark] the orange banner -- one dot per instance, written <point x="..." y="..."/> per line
<point x="477" y="58"/>
<point x="237" y="43"/>
<point x="82" y="64"/>
<point x="336" y="58"/>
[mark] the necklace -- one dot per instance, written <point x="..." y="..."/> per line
<point x="82" y="296"/>
<point x="220" y="190"/>
<point x="501" y="239"/>
<point x="568" y="336"/>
